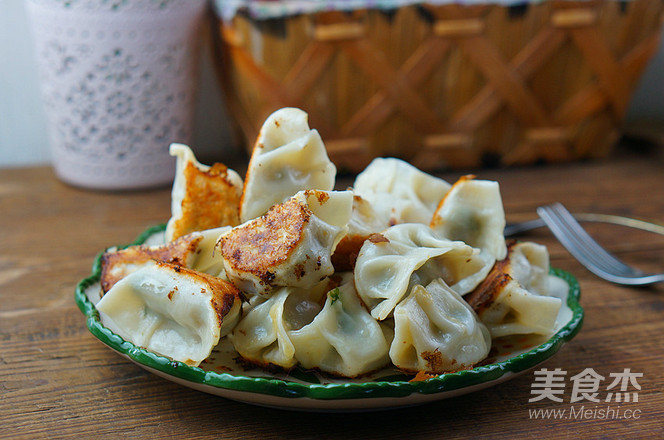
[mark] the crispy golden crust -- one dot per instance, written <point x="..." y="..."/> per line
<point x="211" y="200"/>
<point x="434" y="360"/>
<point x="486" y="293"/>
<point x="224" y="294"/>
<point x="117" y="264"/>
<point x="422" y="375"/>
<point x="265" y="242"/>
<point x="321" y="196"/>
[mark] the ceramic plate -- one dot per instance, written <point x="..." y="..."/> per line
<point x="221" y="375"/>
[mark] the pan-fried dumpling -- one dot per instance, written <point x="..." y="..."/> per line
<point x="207" y="259"/>
<point x="435" y="331"/>
<point x="364" y="219"/>
<point x="262" y="335"/>
<point x="291" y="245"/>
<point x="288" y="157"/>
<point x="472" y="211"/>
<point x="203" y="197"/>
<point x="363" y="223"/>
<point x="513" y="297"/>
<point x="194" y="251"/>
<point x="118" y="263"/>
<point x="390" y="262"/>
<point x="172" y="311"/>
<point x="529" y="265"/>
<point x="343" y="339"/>
<point x="399" y="192"/>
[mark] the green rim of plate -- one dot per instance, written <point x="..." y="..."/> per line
<point x="329" y="391"/>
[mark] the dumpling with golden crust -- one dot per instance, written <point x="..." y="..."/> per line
<point x="193" y="251"/>
<point x="203" y="197"/>
<point x="291" y="245"/>
<point x="172" y="311"/>
<point x="513" y="298"/>
<point x="118" y="263"/>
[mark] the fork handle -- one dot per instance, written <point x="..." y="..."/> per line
<point x="520" y="227"/>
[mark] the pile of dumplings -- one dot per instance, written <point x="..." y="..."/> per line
<point x="402" y="269"/>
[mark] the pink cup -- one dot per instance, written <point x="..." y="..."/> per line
<point x="119" y="82"/>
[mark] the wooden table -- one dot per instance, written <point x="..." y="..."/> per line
<point x="57" y="380"/>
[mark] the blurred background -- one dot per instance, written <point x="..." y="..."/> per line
<point x="23" y="137"/>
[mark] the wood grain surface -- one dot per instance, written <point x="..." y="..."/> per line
<point x="58" y="381"/>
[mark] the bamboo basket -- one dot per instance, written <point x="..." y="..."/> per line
<point x="445" y="86"/>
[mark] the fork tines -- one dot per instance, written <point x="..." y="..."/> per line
<point x="587" y="251"/>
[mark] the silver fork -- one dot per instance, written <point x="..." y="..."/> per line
<point x="588" y="252"/>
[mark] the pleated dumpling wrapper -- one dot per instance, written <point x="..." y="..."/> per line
<point x="193" y="251"/>
<point x="390" y="262"/>
<point x="203" y="197"/>
<point x="363" y="223"/>
<point x="262" y="335"/>
<point x="343" y="339"/>
<point x="436" y="331"/>
<point x="324" y="327"/>
<point x="291" y="245"/>
<point x="472" y="212"/>
<point x="399" y="192"/>
<point x="171" y="311"/>
<point x="513" y="299"/>
<point x="288" y="157"/>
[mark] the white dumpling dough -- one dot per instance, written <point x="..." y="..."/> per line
<point x="343" y="339"/>
<point x="436" y="331"/>
<point x="262" y="335"/>
<point x="399" y="192"/>
<point x="172" y="311"/>
<point x="288" y="157"/>
<point x="472" y="212"/>
<point x="325" y="327"/>
<point x="390" y="262"/>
